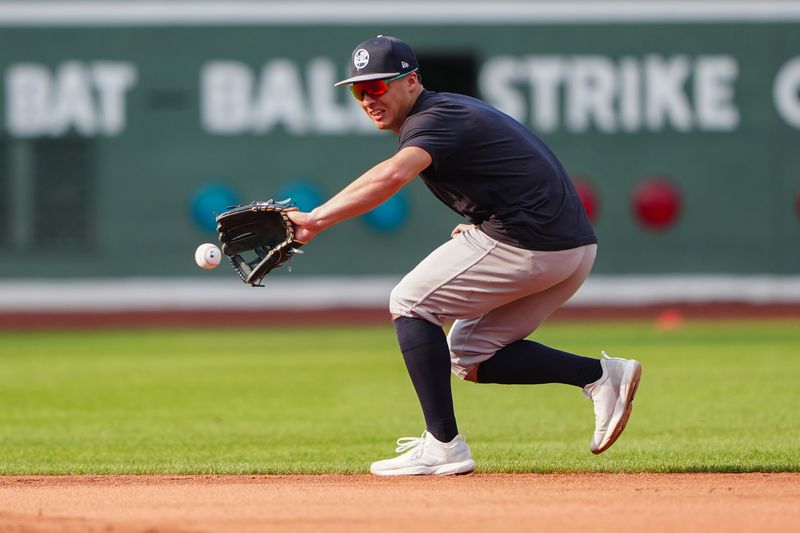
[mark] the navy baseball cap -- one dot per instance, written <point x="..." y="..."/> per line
<point x="380" y="58"/>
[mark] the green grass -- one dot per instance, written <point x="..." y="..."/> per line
<point x="715" y="396"/>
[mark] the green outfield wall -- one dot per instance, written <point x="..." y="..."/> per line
<point x="118" y="139"/>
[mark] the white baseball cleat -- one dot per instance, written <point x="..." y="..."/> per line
<point x="612" y="395"/>
<point x="427" y="456"/>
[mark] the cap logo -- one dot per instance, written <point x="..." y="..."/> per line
<point x="404" y="64"/>
<point x="361" y="58"/>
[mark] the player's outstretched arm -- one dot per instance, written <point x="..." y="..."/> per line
<point x="366" y="192"/>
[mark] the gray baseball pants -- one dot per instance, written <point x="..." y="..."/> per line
<point x="494" y="293"/>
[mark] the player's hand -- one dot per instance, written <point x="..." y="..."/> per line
<point x="461" y="228"/>
<point x="304" y="226"/>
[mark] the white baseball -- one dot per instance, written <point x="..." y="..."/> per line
<point x="207" y="256"/>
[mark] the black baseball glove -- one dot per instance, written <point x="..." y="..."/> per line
<point x="260" y="230"/>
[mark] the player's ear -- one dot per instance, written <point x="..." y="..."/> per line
<point x="413" y="81"/>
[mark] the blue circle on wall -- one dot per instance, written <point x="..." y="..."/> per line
<point x="209" y="201"/>
<point x="390" y="215"/>
<point x="304" y="195"/>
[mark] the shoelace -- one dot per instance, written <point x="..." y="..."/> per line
<point x="405" y="444"/>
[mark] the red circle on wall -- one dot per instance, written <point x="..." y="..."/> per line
<point x="657" y="203"/>
<point x="588" y="196"/>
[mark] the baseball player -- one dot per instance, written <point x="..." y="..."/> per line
<point x="526" y="249"/>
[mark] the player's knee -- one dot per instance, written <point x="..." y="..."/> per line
<point x="465" y="358"/>
<point x="457" y="341"/>
<point x="460" y="365"/>
<point x="404" y="301"/>
<point x="472" y="374"/>
<point x="399" y="304"/>
<point x="465" y="373"/>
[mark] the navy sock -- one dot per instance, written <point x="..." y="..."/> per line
<point x="427" y="359"/>
<point x="528" y="362"/>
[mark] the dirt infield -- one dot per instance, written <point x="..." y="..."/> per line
<point x="338" y="503"/>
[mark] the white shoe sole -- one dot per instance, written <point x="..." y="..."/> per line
<point x="449" y="469"/>
<point x="622" y="411"/>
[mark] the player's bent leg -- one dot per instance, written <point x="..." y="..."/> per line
<point x="426" y="455"/>
<point x="475" y="341"/>
<point x="488" y="348"/>
<point x="612" y="396"/>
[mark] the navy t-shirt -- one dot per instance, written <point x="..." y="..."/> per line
<point x="495" y="172"/>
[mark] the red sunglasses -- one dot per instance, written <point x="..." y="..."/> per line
<point x="374" y="88"/>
